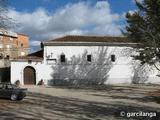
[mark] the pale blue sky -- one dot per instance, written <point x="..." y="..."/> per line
<point x="47" y="19"/>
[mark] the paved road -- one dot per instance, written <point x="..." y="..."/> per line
<point x="46" y="103"/>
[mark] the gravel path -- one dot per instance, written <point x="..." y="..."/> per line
<point x="48" y="103"/>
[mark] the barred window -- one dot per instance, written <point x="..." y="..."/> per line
<point x="89" y="58"/>
<point x="113" y="58"/>
<point x="63" y="58"/>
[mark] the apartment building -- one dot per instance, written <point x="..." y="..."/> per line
<point x="13" y="45"/>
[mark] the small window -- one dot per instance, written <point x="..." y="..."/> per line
<point x="11" y="39"/>
<point x="22" y="53"/>
<point x="29" y="61"/>
<point x="113" y="58"/>
<point x="7" y="57"/>
<point x="89" y="58"/>
<point x="8" y="46"/>
<point x="1" y="46"/>
<point x="63" y="58"/>
<point x="1" y="55"/>
<point x="21" y="44"/>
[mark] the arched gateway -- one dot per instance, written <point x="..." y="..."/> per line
<point x="29" y="76"/>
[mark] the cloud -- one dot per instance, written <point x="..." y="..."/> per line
<point x="140" y="1"/>
<point x="73" y="19"/>
<point x="30" y="22"/>
<point x="35" y="43"/>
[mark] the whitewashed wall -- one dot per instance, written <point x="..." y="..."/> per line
<point x="69" y="51"/>
<point x="121" y="72"/>
<point x="42" y="71"/>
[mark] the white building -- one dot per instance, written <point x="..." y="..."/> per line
<point x="80" y="59"/>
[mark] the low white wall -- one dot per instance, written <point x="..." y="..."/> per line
<point x="42" y="71"/>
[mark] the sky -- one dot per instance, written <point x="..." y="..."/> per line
<point x="48" y="19"/>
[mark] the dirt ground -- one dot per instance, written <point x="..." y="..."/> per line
<point x="114" y="103"/>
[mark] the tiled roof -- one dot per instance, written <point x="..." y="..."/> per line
<point x="89" y="39"/>
<point x="37" y="54"/>
<point x="33" y="56"/>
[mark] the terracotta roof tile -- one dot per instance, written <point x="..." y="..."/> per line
<point x="37" y="54"/>
<point x="89" y="39"/>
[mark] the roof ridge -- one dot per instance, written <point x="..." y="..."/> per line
<point x="93" y="36"/>
<point x="83" y="38"/>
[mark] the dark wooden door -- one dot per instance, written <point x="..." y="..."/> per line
<point x="29" y="76"/>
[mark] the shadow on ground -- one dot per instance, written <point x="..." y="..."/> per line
<point x="44" y="107"/>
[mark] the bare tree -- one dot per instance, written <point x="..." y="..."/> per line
<point x="80" y="72"/>
<point x="140" y="73"/>
<point x="5" y="21"/>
